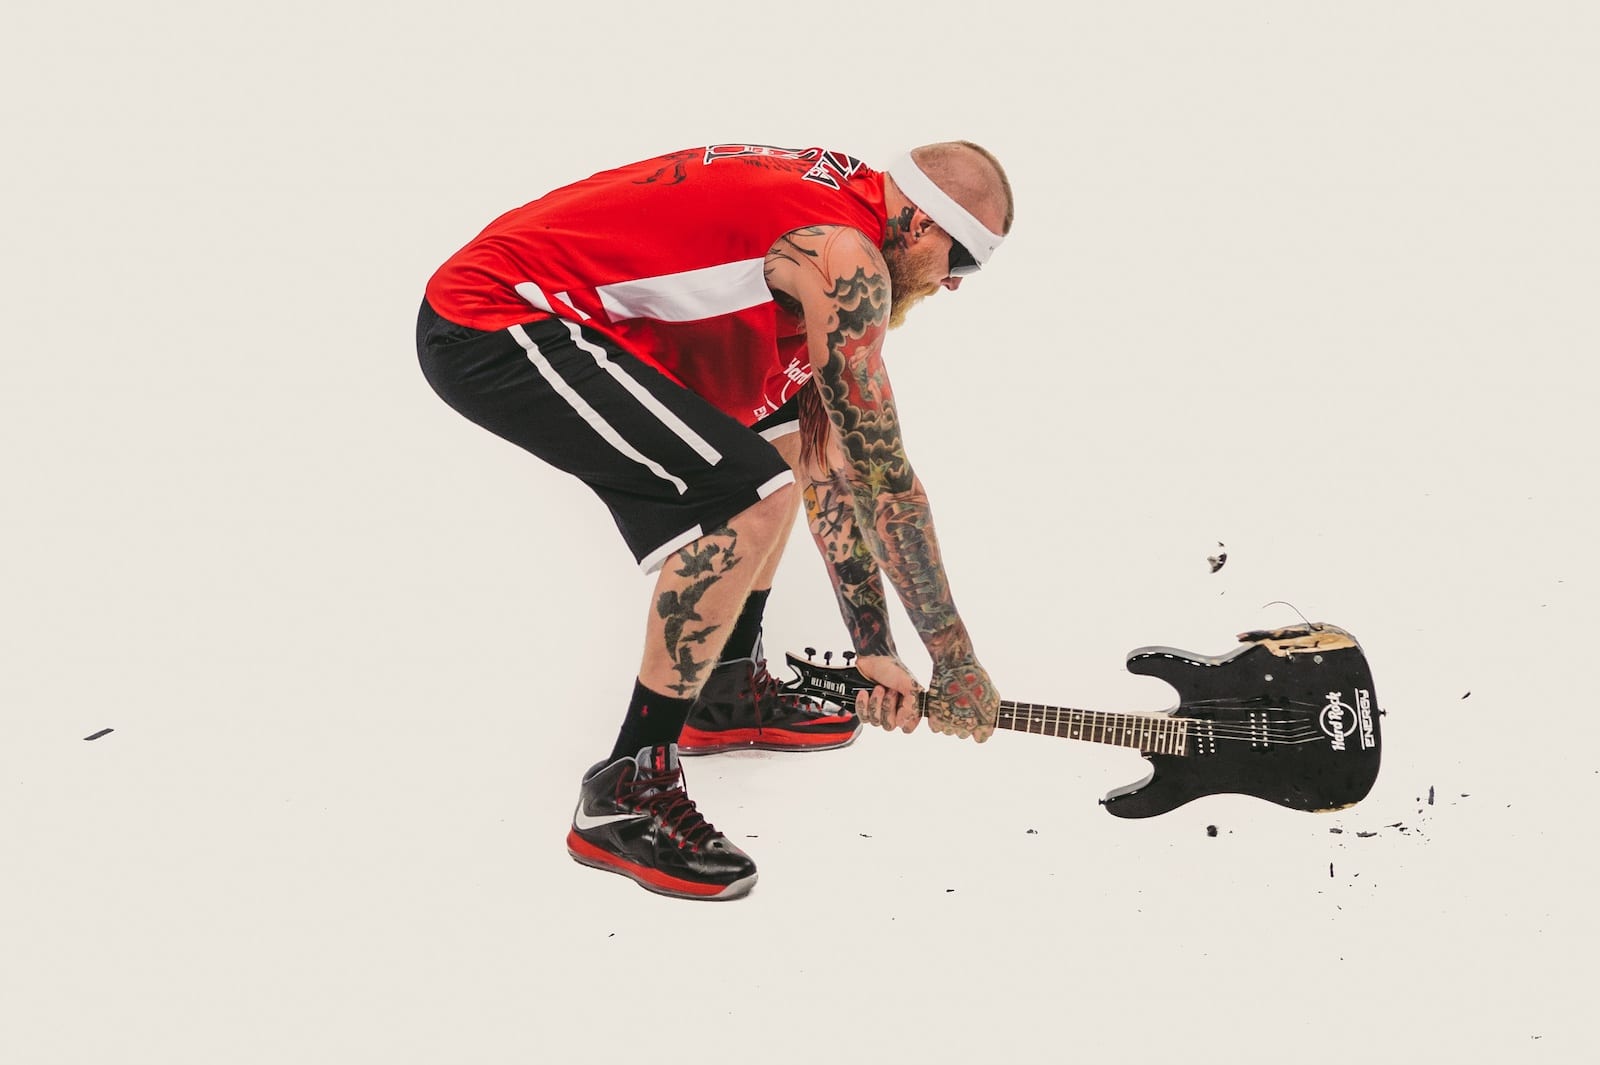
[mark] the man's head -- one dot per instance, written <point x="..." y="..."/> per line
<point x="949" y="205"/>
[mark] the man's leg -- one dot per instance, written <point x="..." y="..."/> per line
<point x="669" y="466"/>
<point x="745" y="639"/>
<point x="694" y="609"/>
<point x="741" y="706"/>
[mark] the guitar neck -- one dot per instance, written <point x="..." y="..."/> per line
<point x="1150" y="733"/>
<point x="1153" y="733"/>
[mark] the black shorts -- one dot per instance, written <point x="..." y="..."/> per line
<point x="669" y="465"/>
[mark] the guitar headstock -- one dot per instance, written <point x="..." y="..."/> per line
<point x="825" y="680"/>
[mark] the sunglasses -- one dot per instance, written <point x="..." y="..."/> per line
<point x="961" y="261"/>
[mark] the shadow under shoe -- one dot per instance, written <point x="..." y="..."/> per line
<point x="635" y="819"/>
<point x="743" y="707"/>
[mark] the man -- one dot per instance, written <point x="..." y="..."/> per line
<point x="691" y="335"/>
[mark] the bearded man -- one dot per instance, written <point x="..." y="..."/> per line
<point x="698" y="337"/>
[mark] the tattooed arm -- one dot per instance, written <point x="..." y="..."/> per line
<point x="869" y="511"/>
<point x="831" y="513"/>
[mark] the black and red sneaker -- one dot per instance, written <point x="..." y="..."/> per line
<point x="743" y="707"/>
<point x="634" y="818"/>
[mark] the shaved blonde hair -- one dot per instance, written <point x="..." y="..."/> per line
<point x="970" y="174"/>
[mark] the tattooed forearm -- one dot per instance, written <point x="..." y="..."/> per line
<point x="851" y="565"/>
<point x="867" y="510"/>
<point x="892" y="513"/>
<point x="702" y="564"/>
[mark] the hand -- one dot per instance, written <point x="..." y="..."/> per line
<point x="895" y="702"/>
<point x="962" y="701"/>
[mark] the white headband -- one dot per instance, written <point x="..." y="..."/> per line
<point x="950" y="215"/>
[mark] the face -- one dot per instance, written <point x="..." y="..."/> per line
<point x="917" y="271"/>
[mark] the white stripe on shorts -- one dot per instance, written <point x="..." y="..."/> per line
<point x="588" y="413"/>
<point x="786" y="477"/>
<point x="651" y="403"/>
<point x="653" y="561"/>
<point x="782" y="429"/>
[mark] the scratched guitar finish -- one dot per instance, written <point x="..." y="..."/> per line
<point x="1290" y="717"/>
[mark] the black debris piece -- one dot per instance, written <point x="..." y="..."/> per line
<point x="1330" y="870"/>
<point x="1430" y="794"/>
<point x="1365" y="835"/>
<point x="949" y="891"/>
<point x="1033" y="831"/>
<point x="97" y="735"/>
<point x="1337" y="831"/>
<point x="1211" y="830"/>
<point x="863" y="835"/>
<point x="1219" y="559"/>
<point x="1464" y="696"/>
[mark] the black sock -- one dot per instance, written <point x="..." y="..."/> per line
<point x="653" y="720"/>
<point x="747" y="630"/>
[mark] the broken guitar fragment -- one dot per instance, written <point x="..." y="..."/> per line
<point x="1220" y="558"/>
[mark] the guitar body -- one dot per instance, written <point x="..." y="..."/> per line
<point x="1290" y="717"/>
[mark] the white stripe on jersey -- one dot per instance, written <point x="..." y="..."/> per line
<point x="588" y="413"/>
<point x="690" y="295"/>
<point x="535" y="295"/>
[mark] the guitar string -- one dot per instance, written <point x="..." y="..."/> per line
<point x="1214" y="703"/>
<point x="1154" y="721"/>
<point x="1266" y="739"/>
<point x="1035" y="724"/>
<point x="1024" y="715"/>
<point x="1137" y="722"/>
<point x="1023" y="718"/>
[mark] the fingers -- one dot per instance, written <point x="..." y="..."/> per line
<point x="871" y="708"/>
<point x="889" y="709"/>
<point x="908" y="714"/>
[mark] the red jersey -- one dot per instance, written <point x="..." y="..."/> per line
<point x="666" y="257"/>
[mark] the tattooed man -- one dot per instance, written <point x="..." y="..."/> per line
<point x="698" y="337"/>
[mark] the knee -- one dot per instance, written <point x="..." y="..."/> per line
<point x="771" y="518"/>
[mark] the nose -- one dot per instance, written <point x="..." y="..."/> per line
<point x="951" y="283"/>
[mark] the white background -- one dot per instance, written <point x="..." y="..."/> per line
<point x="1314" y="280"/>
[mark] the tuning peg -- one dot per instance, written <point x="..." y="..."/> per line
<point x="827" y="657"/>
<point x="848" y="656"/>
<point x="809" y="652"/>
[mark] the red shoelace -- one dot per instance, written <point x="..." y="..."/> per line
<point x="663" y="795"/>
<point x="764" y="686"/>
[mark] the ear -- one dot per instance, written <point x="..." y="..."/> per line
<point x="920" y="224"/>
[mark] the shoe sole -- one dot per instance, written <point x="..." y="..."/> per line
<point x="585" y="853"/>
<point x="752" y="740"/>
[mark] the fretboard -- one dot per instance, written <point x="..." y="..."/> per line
<point x="1156" y="733"/>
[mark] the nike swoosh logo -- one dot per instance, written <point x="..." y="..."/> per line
<point x="590" y="821"/>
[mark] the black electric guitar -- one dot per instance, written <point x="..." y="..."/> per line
<point x="1290" y="717"/>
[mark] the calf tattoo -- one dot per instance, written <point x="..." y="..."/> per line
<point x="702" y="564"/>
